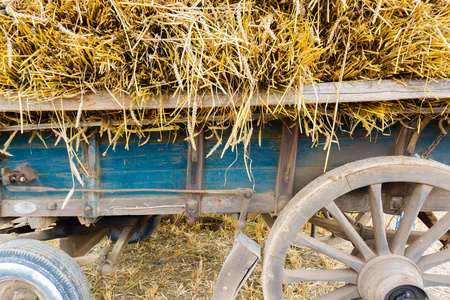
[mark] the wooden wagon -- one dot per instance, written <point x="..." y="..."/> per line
<point x="128" y="190"/>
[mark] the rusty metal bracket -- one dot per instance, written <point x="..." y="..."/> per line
<point x="242" y="221"/>
<point x="405" y="145"/>
<point x="21" y="175"/>
<point x="194" y="176"/>
<point x="46" y="189"/>
<point x="286" y="164"/>
<point x="91" y="162"/>
<point x="237" y="268"/>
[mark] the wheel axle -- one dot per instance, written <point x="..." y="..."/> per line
<point x="407" y="293"/>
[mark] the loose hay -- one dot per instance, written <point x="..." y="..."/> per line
<point x="65" y="48"/>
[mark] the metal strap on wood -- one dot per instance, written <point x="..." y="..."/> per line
<point x="194" y="176"/>
<point x="91" y="161"/>
<point x="237" y="268"/>
<point x="405" y="145"/>
<point x="46" y="189"/>
<point x="286" y="164"/>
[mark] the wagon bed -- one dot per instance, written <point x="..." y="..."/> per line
<point x="123" y="187"/>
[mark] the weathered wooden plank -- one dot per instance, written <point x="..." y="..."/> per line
<point x="175" y="204"/>
<point x="149" y="157"/>
<point x="163" y="165"/>
<point x="73" y="207"/>
<point x="357" y="91"/>
<point x="142" y="205"/>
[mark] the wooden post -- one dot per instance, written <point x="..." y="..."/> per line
<point x="405" y="145"/>
<point x="286" y="164"/>
<point x="91" y="162"/>
<point x="194" y="176"/>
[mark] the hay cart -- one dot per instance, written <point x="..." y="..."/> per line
<point x="127" y="190"/>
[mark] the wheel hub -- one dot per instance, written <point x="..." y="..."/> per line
<point x="391" y="277"/>
<point x="19" y="290"/>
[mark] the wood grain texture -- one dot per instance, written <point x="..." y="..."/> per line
<point x="142" y="205"/>
<point x="163" y="164"/>
<point x="327" y="92"/>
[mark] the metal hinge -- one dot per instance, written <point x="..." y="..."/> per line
<point x="21" y="175"/>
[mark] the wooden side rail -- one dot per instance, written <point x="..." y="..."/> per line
<point x="176" y="204"/>
<point x="327" y="92"/>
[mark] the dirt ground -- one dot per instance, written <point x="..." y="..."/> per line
<point x="183" y="263"/>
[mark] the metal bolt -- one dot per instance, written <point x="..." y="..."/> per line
<point x="51" y="205"/>
<point x="22" y="179"/>
<point x="248" y="195"/>
<point x="225" y="288"/>
<point x="88" y="209"/>
<point x="191" y="206"/>
<point x="397" y="202"/>
<point x="282" y="201"/>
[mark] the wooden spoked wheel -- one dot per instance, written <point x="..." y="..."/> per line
<point x="389" y="266"/>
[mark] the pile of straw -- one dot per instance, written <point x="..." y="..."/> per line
<point x="66" y="48"/>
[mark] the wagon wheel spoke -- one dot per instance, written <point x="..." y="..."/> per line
<point x="376" y="208"/>
<point x="418" y="197"/>
<point x="418" y="248"/>
<point x="385" y="263"/>
<point x="349" y="291"/>
<point x="432" y="260"/>
<point x="350" y="231"/>
<point x="342" y="275"/>
<point x="436" y="280"/>
<point x="352" y="261"/>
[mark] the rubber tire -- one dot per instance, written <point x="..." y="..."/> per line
<point x="32" y="261"/>
<point x="143" y="235"/>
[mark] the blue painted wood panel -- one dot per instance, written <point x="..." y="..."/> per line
<point x="162" y="163"/>
<point x="51" y="164"/>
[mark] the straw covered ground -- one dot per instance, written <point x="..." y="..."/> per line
<point x="183" y="263"/>
<point x="143" y="48"/>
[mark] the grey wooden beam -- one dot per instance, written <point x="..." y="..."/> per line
<point x="327" y="92"/>
<point x="91" y="161"/>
